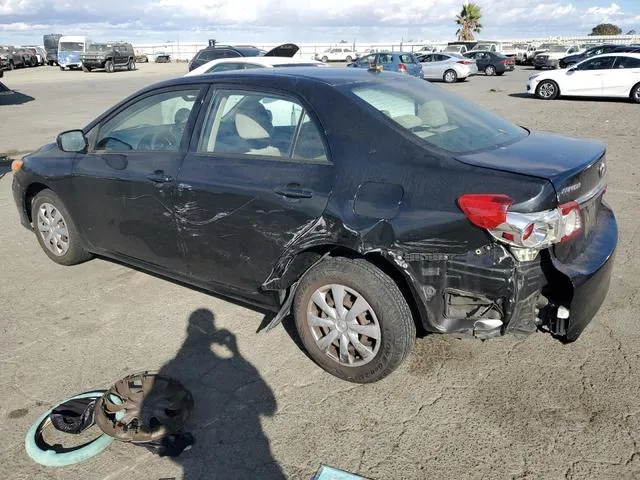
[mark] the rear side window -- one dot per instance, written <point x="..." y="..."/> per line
<point x="627" y="62"/>
<point x="407" y="59"/>
<point x="262" y="124"/>
<point x="385" y="58"/>
<point x="437" y="117"/>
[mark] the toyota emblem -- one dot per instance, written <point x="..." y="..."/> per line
<point x="602" y="169"/>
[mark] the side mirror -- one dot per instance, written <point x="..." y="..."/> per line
<point x="72" y="141"/>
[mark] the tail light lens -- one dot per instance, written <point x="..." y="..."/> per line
<point x="464" y="62"/>
<point x="536" y="230"/>
<point x="402" y="68"/>
<point x="485" y="211"/>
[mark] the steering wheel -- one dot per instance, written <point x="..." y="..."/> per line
<point x="161" y="140"/>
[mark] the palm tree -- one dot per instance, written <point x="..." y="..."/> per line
<point x="468" y="21"/>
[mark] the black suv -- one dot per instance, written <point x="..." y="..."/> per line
<point x="215" y="51"/>
<point x="109" y="56"/>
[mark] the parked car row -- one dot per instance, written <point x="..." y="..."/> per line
<point x="20" y="57"/>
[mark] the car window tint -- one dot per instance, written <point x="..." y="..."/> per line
<point x="309" y="145"/>
<point x="251" y="123"/>
<point x="436" y="116"/>
<point x="627" y="62"/>
<point x="385" y="58"/>
<point x="225" y="67"/>
<point x="248" y="66"/>
<point x="601" y="63"/>
<point x="406" y="59"/>
<point x="154" y="123"/>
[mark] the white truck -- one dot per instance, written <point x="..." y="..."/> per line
<point x="70" y="50"/>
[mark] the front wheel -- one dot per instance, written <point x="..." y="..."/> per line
<point x="325" y="59"/>
<point x="547" y="90"/>
<point x="450" y="76"/>
<point x="490" y="70"/>
<point x="353" y="320"/>
<point x="108" y="66"/>
<point x="55" y="230"/>
<point x="635" y="94"/>
<point x="349" y="59"/>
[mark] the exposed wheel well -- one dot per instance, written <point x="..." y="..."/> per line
<point x="306" y="258"/>
<point x="32" y="191"/>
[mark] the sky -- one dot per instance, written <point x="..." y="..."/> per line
<point x="322" y="21"/>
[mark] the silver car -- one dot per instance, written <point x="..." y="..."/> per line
<point x="447" y="66"/>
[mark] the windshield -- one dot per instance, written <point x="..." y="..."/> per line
<point x="483" y="46"/>
<point x="436" y="116"/>
<point x="558" y="48"/>
<point x="71" y="46"/>
<point x="453" y="48"/>
<point x="98" y="47"/>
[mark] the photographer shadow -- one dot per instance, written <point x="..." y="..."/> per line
<point x="230" y="399"/>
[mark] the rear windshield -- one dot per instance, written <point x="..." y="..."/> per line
<point x="407" y="59"/>
<point x="436" y="116"/>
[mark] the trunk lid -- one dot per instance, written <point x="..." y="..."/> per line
<point x="284" y="50"/>
<point x="575" y="167"/>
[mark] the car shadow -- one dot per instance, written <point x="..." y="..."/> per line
<point x="14" y="98"/>
<point x="230" y="399"/>
<point x="268" y="315"/>
<point x="579" y="99"/>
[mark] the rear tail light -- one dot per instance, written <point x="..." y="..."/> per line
<point x="464" y="62"/>
<point x="402" y="68"/>
<point x="536" y="230"/>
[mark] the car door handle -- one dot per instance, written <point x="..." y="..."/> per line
<point x="159" y="177"/>
<point x="293" y="190"/>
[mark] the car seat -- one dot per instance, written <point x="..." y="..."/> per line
<point x="254" y="127"/>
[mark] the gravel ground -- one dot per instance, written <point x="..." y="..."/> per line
<point x="505" y="408"/>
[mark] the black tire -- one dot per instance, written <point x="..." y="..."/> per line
<point x="538" y="68"/>
<point x="325" y="59"/>
<point x="12" y="65"/>
<point x="635" y="93"/>
<point x="490" y="70"/>
<point x="450" y="76"/>
<point x="108" y="66"/>
<point x="499" y="74"/>
<point x="75" y="253"/>
<point x="349" y="59"/>
<point x="397" y="327"/>
<point x="61" y="68"/>
<point x="547" y="90"/>
<point x="131" y="65"/>
<point x="86" y="69"/>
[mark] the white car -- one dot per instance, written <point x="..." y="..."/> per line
<point x="449" y="67"/>
<point x="609" y="75"/>
<point x="243" y="63"/>
<point x="337" y="54"/>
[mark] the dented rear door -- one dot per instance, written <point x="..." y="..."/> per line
<point x="240" y="202"/>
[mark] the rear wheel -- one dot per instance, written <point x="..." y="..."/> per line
<point x="353" y="320"/>
<point x="450" y="76"/>
<point x="547" y="90"/>
<point x="349" y="59"/>
<point x="500" y="74"/>
<point x="55" y="230"/>
<point x="635" y="94"/>
<point x="490" y="70"/>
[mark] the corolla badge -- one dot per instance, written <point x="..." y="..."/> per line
<point x="602" y="169"/>
<point x="571" y="188"/>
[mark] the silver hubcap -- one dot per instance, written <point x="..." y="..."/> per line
<point x="490" y="70"/>
<point x="344" y="325"/>
<point x="547" y="90"/>
<point x="637" y="93"/>
<point x="449" y="77"/>
<point x="53" y="229"/>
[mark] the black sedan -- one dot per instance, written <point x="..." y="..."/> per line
<point x="571" y="60"/>
<point x="369" y="204"/>
<point x="492" y="63"/>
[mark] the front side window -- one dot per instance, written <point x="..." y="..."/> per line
<point x="252" y="123"/>
<point x="156" y="123"/>
<point x="601" y="63"/>
<point x="435" y="116"/>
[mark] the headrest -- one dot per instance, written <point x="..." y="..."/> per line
<point x="253" y="122"/>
